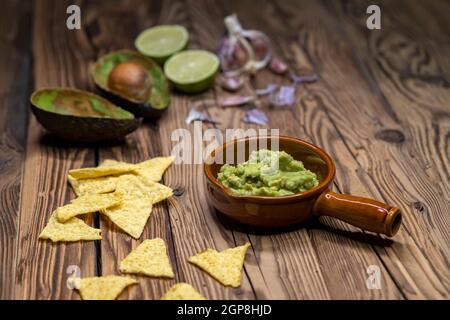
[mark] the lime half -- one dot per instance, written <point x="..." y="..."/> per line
<point x="161" y="42"/>
<point x="192" y="71"/>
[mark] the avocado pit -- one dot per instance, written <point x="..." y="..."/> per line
<point x="130" y="79"/>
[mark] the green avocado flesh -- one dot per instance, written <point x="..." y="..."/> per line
<point x="159" y="97"/>
<point x="267" y="173"/>
<point x="77" y="103"/>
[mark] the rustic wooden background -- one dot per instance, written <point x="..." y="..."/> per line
<point x="381" y="108"/>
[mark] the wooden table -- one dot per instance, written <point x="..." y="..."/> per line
<point x="381" y="108"/>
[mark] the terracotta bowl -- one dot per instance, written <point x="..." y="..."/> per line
<point x="264" y="211"/>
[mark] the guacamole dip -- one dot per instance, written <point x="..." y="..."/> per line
<point x="267" y="173"/>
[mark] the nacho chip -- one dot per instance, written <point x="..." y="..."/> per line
<point x="87" y="204"/>
<point x="153" y="169"/>
<point x="104" y="288"/>
<point x="111" y="163"/>
<point x="132" y="214"/>
<point x="149" y="170"/>
<point x="102" y="171"/>
<point x="149" y="258"/>
<point x="93" y="185"/>
<point x="225" y="266"/>
<point x="182" y="291"/>
<point x="72" y="230"/>
<point x="157" y="191"/>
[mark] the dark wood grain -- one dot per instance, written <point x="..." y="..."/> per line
<point x="380" y="109"/>
<point x="302" y="120"/>
<point x="15" y="58"/>
<point x="387" y="168"/>
<point x="41" y="265"/>
<point x="194" y="225"/>
<point x="139" y="146"/>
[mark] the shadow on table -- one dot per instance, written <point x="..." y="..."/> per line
<point x="312" y="224"/>
<point x="51" y="140"/>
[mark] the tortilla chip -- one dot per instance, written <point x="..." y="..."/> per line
<point x="182" y="291"/>
<point x="104" y="288"/>
<point x="149" y="258"/>
<point x="93" y="185"/>
<point x="132" y="214"/>
<point x="149" y="170"/>
<point x="157" y="191"/>
<point x="153" y="169"/>
<point x="73" y="230"/>
<point x="225" y="266"/>
<point x="102" y="171"/>
<point x="110" y="163"/>
<point x="87" y="204"/>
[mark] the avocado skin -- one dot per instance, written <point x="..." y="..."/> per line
<point x="85" y="129"/>
<point x="143" y="110"/>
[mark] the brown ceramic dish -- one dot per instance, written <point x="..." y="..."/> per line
<point x="263" y="211"/>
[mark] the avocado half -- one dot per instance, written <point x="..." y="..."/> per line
<point x="133" y="81"/>
<point x="81" y="116"/>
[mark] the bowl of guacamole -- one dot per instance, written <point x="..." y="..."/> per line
<point x="267" y="173"/>
<point x="271" y="184"/>
<point x="279" y="181"/>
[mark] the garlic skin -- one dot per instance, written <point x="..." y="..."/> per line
<point x="255" y="116"/>
<point x="278" y="66"/>
<point x="130" y="80"/>
<point x="235" y="101"/>
<point x="231" y="84"/>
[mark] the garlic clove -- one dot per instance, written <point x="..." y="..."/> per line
<point x="231" y="83"/>
<point x="278" y="66"/>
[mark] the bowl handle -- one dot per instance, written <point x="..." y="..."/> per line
<point x="365" y="213"/>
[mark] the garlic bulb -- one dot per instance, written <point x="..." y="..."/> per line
<point x="242" y="50"/>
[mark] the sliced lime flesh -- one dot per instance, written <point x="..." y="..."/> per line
<point x="192" y="69"/>
<point x="162" y="41"/>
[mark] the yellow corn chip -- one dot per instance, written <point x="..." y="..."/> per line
<point x="110" y="163"/>
<point x="153" y="169"/>
<point x="132" y="214"/>
<point x="93" y="185"/>
<point x="149" y="258"/>
<point x="225" y="266"/>
<point x="102" y="171"/>
<point x="182" y="291"/>
<point x="149" y="170"/>
<point x="157" y="191"/>
<point x="73" y="230"/>
<point x="104" y="288"/>
<point x="87" y="204"/>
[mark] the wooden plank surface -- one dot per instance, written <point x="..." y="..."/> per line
<point x="194" y="227"/>
<point x="420" y="268"/>
<point x="15" y="59"/>
<point x="139" y="146"/>
<point x="318" y="253"/>
<point x="42" y="266"/>
<point x="380" y="108"/>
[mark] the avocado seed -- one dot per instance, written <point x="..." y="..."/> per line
<point x="130" y="80"/>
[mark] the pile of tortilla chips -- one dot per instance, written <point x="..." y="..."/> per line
<point x="123" y="192"/>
